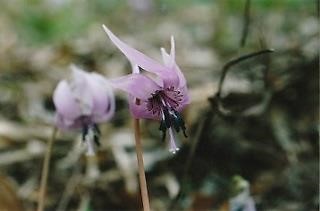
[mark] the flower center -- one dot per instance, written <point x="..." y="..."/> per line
<point x="165" y="103"/>
<point x="169" y="98"/>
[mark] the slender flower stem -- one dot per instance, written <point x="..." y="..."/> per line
<point x="142" y="175"/>
<point x="45" y="171"/>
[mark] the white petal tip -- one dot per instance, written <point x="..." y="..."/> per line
<point x="172" y="40"/>
<point x="163" y="51"/>
<point x="106" y="29"/>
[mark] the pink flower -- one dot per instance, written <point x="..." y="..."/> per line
<point x="159" y="96"/>
<point x="82" y="102"/>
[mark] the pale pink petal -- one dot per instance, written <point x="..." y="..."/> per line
<point x="186" y="97"/>
<point x="103" y="98"/>
<point x="136" y="57"/>
<point x="80" y="91"/>
<point x="65" y="102"/>
<point x="166" y="57"/>
<point x="137" y="85"/>
<point x="172" y="50"/>
<point x="172" y="78"/>
<point x="65" y="124"/>
<point x="61" y="123"/>
<point x="169" y="61"/>
<point x="135" y="68"/>
<point x="139" y="110"/>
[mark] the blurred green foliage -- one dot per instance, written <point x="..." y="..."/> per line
<point x="40" y="22"/>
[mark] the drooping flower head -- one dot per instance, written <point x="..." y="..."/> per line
<point x="83" y="101"/>
<point x="161" y="96"/>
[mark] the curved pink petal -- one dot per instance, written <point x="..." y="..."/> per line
<point x="140" y="110"/>
<point x="135" y="68"/>
<point x="185" y="99"/>
<point x="136" y="57"/>
<point x="103" y="98"/>
<point x="137" y="85"/>
<point x="65" y="124"/>
<point x="108" y="111"/>
<point x="65" y="102"/>
<point x="166" y="57"/>
<point x="172" y="78"/>
<point x="80" y="90"/>
<point x="60" y="122"/>
<point x="169" y="61"/>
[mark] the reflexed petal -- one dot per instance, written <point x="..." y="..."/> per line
<point x="135" y="68"/>
<point x="172" y="50"/>
<point x="137" y="85"/>
<point x="109" y="110"/>
<point x="169" y="61"/>
<point x="140" y="111"/>
<point x="103" y="98"/>
<point x="182" y="79"/>
<point x="65" y="102"/>
<point x="81" y="91"/>
<point x="136" y="57"/>
<point x="60" y="123"/>
<point x="65" y="124"/>
<point x="172" y="78"/>
<point x="166" y="57"/>
<point x="186" y="98"/>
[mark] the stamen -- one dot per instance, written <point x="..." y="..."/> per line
<point x="96" y="140"/>
<point x="97" y="134"/>
<point x="96" y="129"/>
<point x="167" y="118"/>
<point x="163" y="128"/>
<point x="90" y="136"/>
<point x="164" y="104"/>
<point x="179" y="121"/>
<point x="84" y="132"/>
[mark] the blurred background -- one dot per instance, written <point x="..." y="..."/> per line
<point x="257" y="140"/>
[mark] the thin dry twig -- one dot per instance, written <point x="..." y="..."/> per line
<point x="232" y="62"/>
<point x="225" y="70"/>
<point x="45" y="171"/>
<point x="33" y="149"/>
<point x="22" y="133"/>
<point x="246" y="23"/>
<point x="70" y="188"/>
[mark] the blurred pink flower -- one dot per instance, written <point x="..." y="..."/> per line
<point x="161" y="95"/>
<point x="82" y="102"/>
